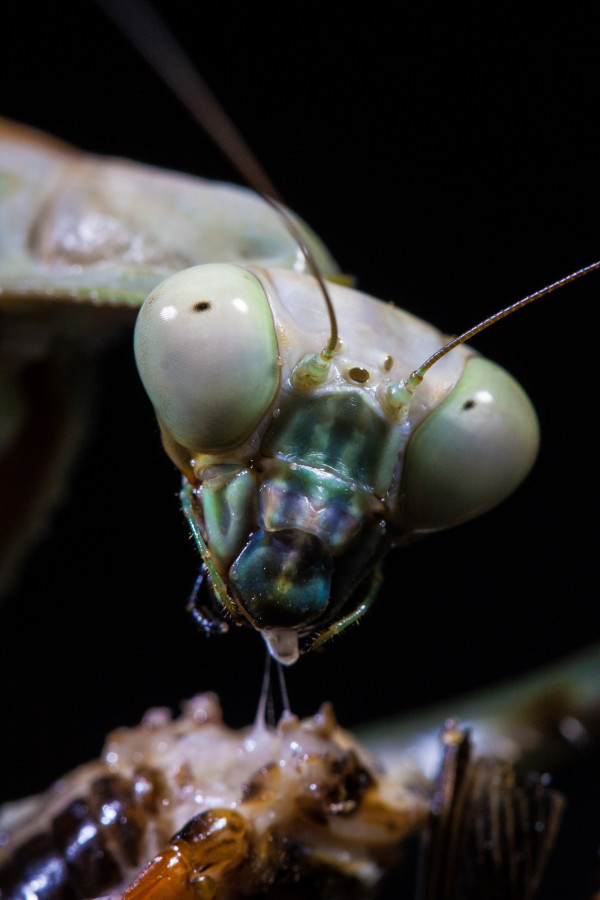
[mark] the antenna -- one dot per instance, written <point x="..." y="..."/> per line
<point x="139" y="22"/>
<point x="399" y="395"/>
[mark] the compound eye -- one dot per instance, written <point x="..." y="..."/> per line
<point x="206" y="351"/>
<point x="472" y="451"/>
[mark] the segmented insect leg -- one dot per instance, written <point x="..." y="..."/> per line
<point x="352" y="617"/>
<point x="197" y="859"/>
<point x="201" y="614"/>
<point x="187" y="505"/>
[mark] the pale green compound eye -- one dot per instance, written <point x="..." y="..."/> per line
<point x="472" y="451"/>
<point x="206" y="351"/>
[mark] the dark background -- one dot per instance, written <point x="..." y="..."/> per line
<point x="451" y="166"/>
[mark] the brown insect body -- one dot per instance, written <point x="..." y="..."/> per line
<point x="303" y="804"/>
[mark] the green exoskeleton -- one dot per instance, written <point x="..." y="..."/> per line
<point x="296" y="481"/>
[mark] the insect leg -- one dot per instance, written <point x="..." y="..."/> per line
<point x="196" y="860"/>
<point x="354" y="616"/>
<point x="187" y="504"/>
<point x="490" y="830"/>
<point x="202" y="615"/>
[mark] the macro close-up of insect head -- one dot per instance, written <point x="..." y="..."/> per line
<point x="448" y="166"/>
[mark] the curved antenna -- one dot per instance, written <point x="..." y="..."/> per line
<point x="507" y="311"/>
<point x="155" y="42"/>
<point x="398" y="396"/>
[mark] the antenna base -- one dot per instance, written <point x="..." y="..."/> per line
<point x="312" y="370"/>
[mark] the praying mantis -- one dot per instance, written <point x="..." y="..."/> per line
<point x="447" y="173"/>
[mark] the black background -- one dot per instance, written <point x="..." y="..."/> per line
<point x="450" y="165"/>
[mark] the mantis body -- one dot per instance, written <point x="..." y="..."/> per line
<point x="457" y="241"/>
